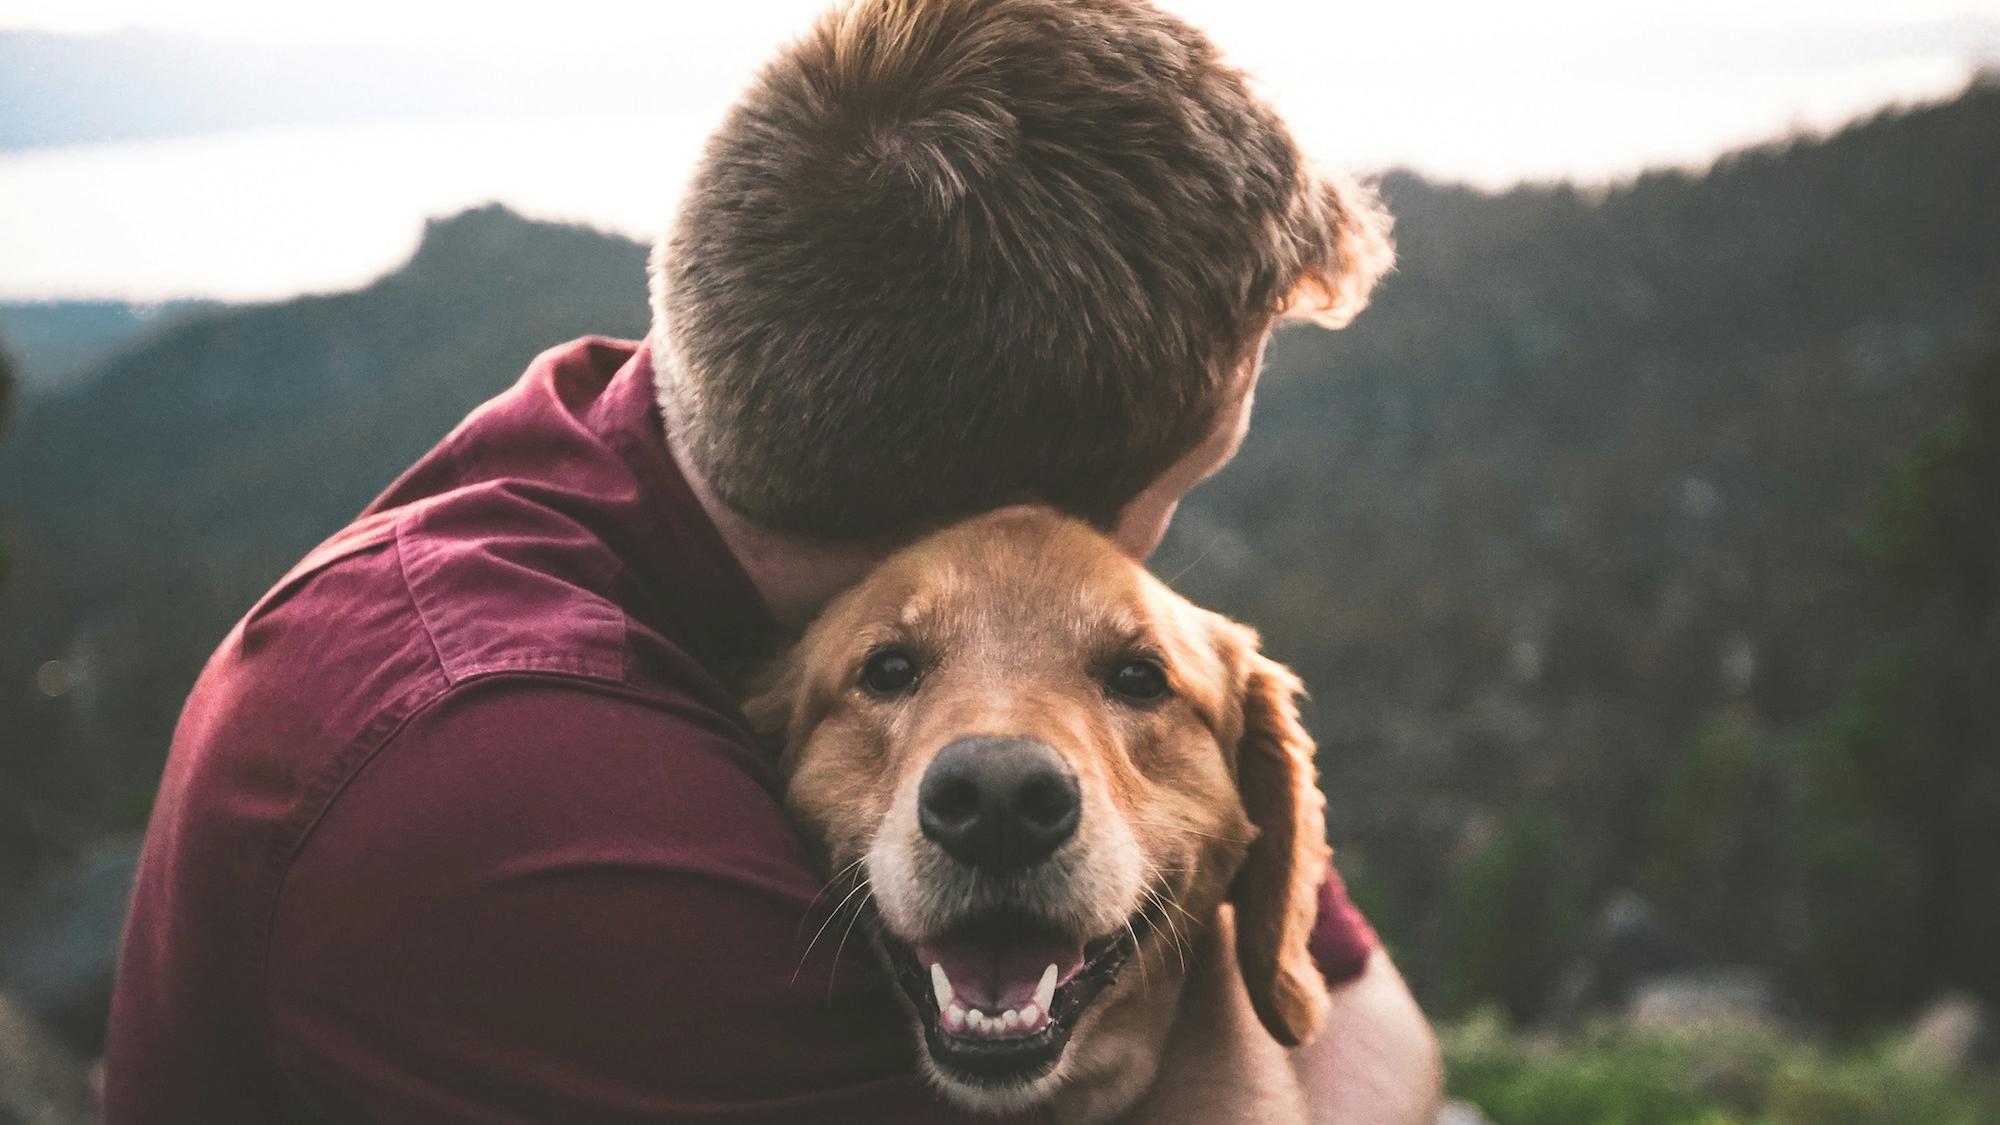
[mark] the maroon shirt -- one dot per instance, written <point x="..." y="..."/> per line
<point x="461" y="824"/>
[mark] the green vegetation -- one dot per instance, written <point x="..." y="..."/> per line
<point x="1902" y="782"/>
<point x="1612" y="1076"/>
<point x="1513" y="914"/>
<point x="6" y="415"/>
<point x="6" y="392"/>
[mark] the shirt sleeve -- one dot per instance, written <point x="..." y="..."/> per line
<point x="1341" y="938"/>
<point x="545" y="902"/>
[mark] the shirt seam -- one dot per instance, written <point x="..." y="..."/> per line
<point x="566" y="660"/>
<point x="417" y="604"/>
<point x="317" y="799"/>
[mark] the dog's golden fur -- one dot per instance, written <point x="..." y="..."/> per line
<point x="1200" y="802"/>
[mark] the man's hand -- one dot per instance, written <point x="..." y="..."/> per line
<point x="1219" y="1063"/>
<point x="1374" y="1061"/>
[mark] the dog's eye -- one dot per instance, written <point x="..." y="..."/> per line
<point x="1139" y="680"/>
<point x="891" y="671"/>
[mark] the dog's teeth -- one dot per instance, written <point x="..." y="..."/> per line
<point x="961" y="1020"/>
<point x="941" y="984"/>
<point x="1045" y="992"/>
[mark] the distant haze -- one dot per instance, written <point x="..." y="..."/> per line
<point x="245" y="151"/>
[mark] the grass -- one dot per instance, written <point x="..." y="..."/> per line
<point x="1616" y="1076"/>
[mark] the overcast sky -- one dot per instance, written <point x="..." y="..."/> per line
<point x="1592" y="90"/>
<point x="1491" y="92"/>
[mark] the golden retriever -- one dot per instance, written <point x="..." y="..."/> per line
<point x="1047" y="774"/>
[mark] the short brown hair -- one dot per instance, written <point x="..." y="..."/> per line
<point x="944" y="255"/>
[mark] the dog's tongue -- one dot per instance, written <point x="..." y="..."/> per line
<point x="998" y="975"/>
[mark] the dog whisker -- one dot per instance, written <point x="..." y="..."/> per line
<point x="833" y="970"/>
<point x="827" y="887"/>
<point x="1173" y="929"/>
<point x="1197" y="561"/>
<point x="831" y="915"/>
<point x="1157" y="893"/>
<point x="1168" y="900"/>
<point x="1145" y="978"/>
<point x="1237" y="841"/>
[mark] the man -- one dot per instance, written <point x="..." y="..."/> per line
<point x="462" y="822"/>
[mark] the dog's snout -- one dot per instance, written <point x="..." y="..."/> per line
<point x="998" y="803"/>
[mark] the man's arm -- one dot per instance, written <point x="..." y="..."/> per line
<point x="543" y="901"/>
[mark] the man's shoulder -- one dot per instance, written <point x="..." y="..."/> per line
<point x="500" y="584"/>
<point x="549" y="534"/>
<point x="410" y="610"/>
<point x="406" y="613"/>
<point x="409" y="603"/>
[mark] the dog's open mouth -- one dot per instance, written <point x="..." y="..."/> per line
<point x="999" y="996"/>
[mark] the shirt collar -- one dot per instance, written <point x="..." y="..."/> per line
<point x="682" y="563"/>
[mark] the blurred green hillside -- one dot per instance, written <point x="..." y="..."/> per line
<point x="1569" y="536"/>
<point x="156" y="497"/>
<point x="1635" y="542"/>
<point x="63" y="342"/>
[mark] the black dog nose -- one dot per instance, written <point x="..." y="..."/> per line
<point x="998" y="803"/>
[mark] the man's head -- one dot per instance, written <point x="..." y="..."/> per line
<point x="946" y="255"/>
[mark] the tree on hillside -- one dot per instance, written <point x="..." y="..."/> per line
<point x="1902" y="786"/>
<point x="6" y="416"/>
<point x="6" y="391"/>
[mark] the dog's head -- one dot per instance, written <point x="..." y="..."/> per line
<point x="1046" y="769"/>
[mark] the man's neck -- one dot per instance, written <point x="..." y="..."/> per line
<point x="796" y="577"/>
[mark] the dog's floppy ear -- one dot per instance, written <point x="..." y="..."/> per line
<point x="1276" y="893"/>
